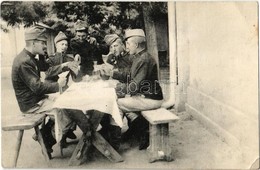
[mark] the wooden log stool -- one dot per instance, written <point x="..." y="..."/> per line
<point x="159" y="120"/>
<point x="23" y="122"/>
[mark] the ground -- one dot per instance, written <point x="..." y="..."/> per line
<point x="193" y="146"/>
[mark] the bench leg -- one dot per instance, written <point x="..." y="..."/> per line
<point x="159" y="143"/>
<point x="154" y="142"/>
<point x="166" y="147"/>
<point x="17" y="147"/>
<point x="43" y="147"/>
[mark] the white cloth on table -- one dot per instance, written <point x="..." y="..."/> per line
<point x="90" y="96"/>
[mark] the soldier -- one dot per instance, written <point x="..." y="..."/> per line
<point x="31" y="92"/>
<point x="85" y="46"/>
<point x="118" y="57"/>
<point x="58" y="63"/>
<point x="142" y="86"/>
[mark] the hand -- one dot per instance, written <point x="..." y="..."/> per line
<point x="92" y="40"/>
<point x="72" y="65"/>
<point x="77" y="58"/>
<point x="105" y="71"/>
<point x="62" y="82"/>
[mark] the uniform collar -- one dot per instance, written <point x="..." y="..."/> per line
<point x="29" y="53"/>
<point x="139" y="53"/>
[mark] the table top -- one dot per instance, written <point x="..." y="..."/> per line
<point x="95" y="95"/>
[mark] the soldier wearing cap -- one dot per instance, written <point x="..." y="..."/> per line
<point x="85" y="46"/>
<point x="118" y="57"/>
<point x="60" y="61"/>
<point x="31" y="92"/>
<point x="142" y="86"/>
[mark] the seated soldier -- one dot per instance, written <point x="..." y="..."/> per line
<point x="142" y="86"/>
<point x="58" y="63"/>
<point x="118" y="57"/>
<point x="86" y="47"/>
<point x="31" y="92"/>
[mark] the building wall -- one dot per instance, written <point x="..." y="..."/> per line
<point x="12" y="43"/>
<point x="217" y="52"/>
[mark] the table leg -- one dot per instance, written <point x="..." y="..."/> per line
<point x="106" y="149"/>
<point x="80" y="153"/>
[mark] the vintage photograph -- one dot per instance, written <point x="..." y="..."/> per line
<point x="138" y="85"/>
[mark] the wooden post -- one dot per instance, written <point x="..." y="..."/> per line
<point x="172" y="53"/>
<point x="17" y="147"/>
<point x="166" y="145"/>
<point x="154" y="142"/>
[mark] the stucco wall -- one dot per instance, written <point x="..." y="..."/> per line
<point x="217" y="47"/>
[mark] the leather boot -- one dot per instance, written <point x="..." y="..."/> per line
<point x="115" y="136"/>
<point x="136" y="127"/>
<point x="144" y="140"/>
<point x="48" y="139"/>
<point x="130" y="131"/>
<point x="143" y="133"/>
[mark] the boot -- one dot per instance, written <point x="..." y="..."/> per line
<point x="70" y="134"/>
<point x="130" y="131"/>
<point x="143" y="133"/>
<point x="105" y="123"/>
<point x="63" y="142"/>
<point x="144" y="141"/>
<point x="135" y="128"/>
<point x="48" y="139"/>
<point x="115" y="136"/>
<point x="105" y="133"/>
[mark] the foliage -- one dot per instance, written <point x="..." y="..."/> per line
<point x="158" y="10"/>
<point x="102" y="17"/>
<point x="27" y="13"/>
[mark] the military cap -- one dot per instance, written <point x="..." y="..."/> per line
<point x="61" y="36"/>
<point x="110" y="38"/>
<point x="35" y="33"/>
<point x="134" y="33"/>
<point x="80" y="25"/>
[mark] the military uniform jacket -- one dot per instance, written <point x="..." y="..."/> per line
<point x="55" y="68"/>
<point x="88" y="53"/>
<point x="143" y="78"/>
<point x="123" y="63"/>
<point x="29" y="89"/>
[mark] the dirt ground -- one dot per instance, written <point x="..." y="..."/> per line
<point x="193" y="146"/>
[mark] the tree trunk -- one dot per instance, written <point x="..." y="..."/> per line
<point x="150" y="33"/>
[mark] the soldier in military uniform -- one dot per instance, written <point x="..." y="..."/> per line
<point x="31" y="92"/>
<point x="142" y="86"/>
<point x="58" y="63"/>
<point x="85" y="46"/>
<point x="118" y="57"/>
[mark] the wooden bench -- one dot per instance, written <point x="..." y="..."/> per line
<point x="23" y="122"/>
<point x="159" y="120"/>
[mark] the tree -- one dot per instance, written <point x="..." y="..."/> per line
<point x="62" y="15"/>
<point x="27" y="13"/>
